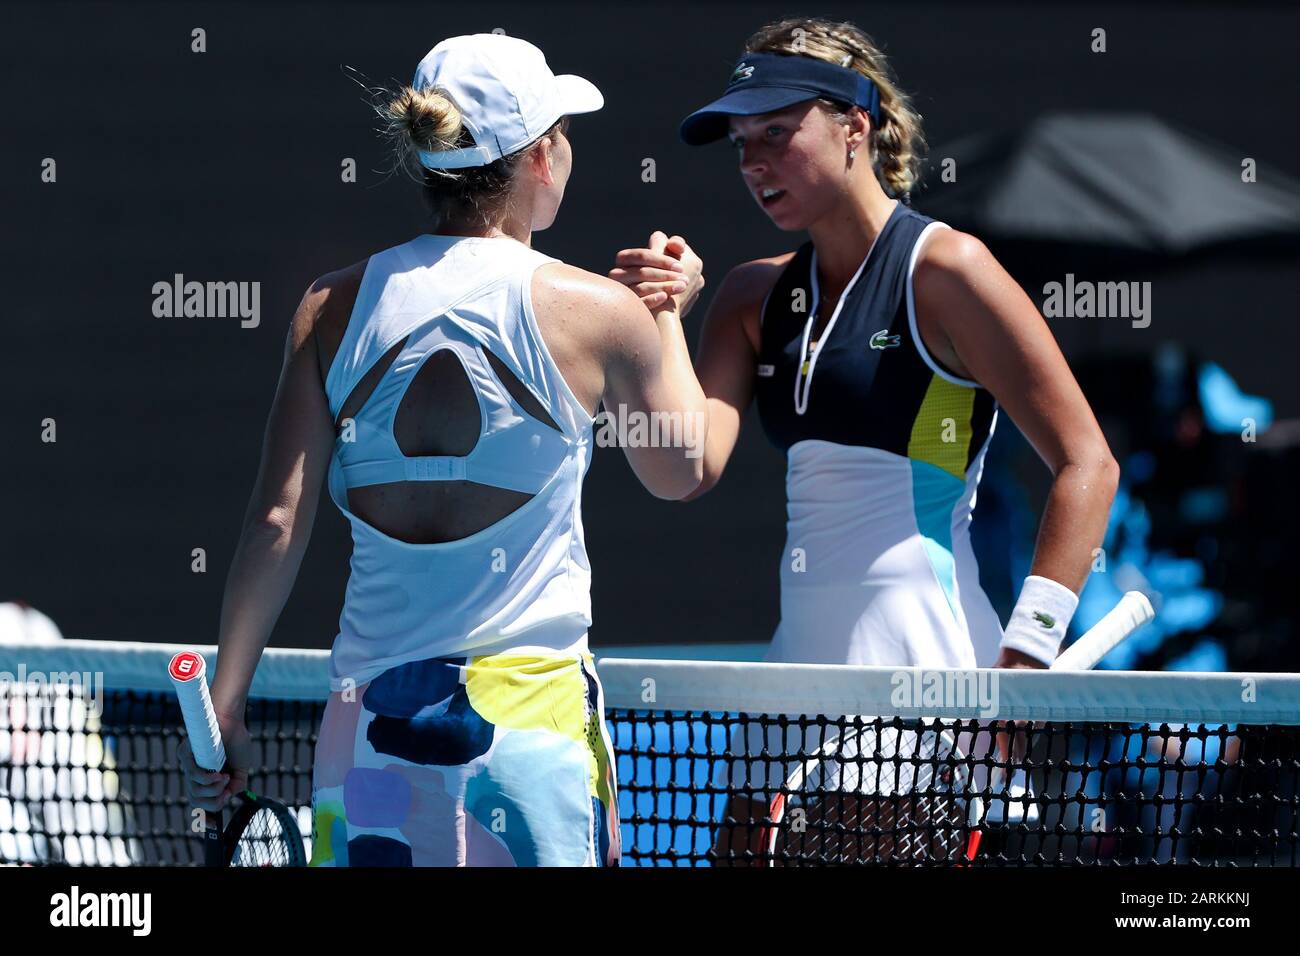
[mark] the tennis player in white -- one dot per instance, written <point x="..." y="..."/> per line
<point x="445" y="389"/>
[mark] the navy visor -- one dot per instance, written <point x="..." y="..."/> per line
<point x="766" y="82"/>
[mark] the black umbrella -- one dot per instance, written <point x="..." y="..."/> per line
<point x="1130" y="184"/>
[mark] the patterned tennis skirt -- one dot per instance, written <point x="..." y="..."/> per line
<point x="500" y="760"/>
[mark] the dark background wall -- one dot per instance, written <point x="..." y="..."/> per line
<point x="225" y="166"/>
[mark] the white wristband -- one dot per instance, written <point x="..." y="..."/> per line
<point x="1040" y="618"/>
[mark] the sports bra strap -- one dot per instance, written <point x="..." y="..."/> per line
<point x="438" y="468"/>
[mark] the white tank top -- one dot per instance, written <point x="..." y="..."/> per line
<point x="523" y="582"/>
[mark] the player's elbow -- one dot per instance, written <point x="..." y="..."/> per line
<point x="680" y="482"/>
<point x="1098" y="469"/>
<point x="274" y="521"/>
<point x="708" y="479"/>
<point x="1108" y="470"/>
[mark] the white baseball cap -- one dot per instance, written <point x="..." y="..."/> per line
<point x="507" y="95"/>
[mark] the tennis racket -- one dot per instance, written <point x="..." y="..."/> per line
<point x="1130" y="612"/>
<point x="899" y="790"/>
<point x="884" y="790"/>
<point x="262" y="831"/>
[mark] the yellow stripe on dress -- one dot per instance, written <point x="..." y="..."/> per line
<point x="941" y="432"/>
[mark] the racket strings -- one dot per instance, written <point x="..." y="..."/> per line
<point x="263" y="842"/>
<point x="880" y="792"/>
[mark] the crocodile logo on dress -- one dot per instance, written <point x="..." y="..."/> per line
<point x="883" y="340"/>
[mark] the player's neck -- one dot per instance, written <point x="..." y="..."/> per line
<point x="844" y="237"/>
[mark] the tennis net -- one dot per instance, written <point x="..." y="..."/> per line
<point x="728" y="763"/>
<point x="741" y="764"/>
<point x="89" y="732"/>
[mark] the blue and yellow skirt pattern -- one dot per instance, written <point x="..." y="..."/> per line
<point x="501" y="760"/>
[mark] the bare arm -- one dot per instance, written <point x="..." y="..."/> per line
<point x="725" y="363"/>
<point x="648" y="372"/>
<point x="636" y="363"/>
<point x="281" y="510"/>
<point x="728" y="340"/>
<point x="994" y="334"/>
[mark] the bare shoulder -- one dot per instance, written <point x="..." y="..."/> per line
<point x="751" y="281"/>
<point x="325" y="310"/>
<point x="743" y="291"/>
<point x="587" y="321"/>
<point x="953" y="255"/>
<point x="586" y="310"/>
<point x="561" y="288"/>
<point x="957" y="276"/>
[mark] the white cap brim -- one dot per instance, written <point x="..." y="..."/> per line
<point x="577" y="95"/>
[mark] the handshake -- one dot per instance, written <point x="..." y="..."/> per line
<point x="667" y="275"/>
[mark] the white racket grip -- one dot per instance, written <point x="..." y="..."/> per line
<point x="188" y="674"/>
<point x="1132" y="611"/>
